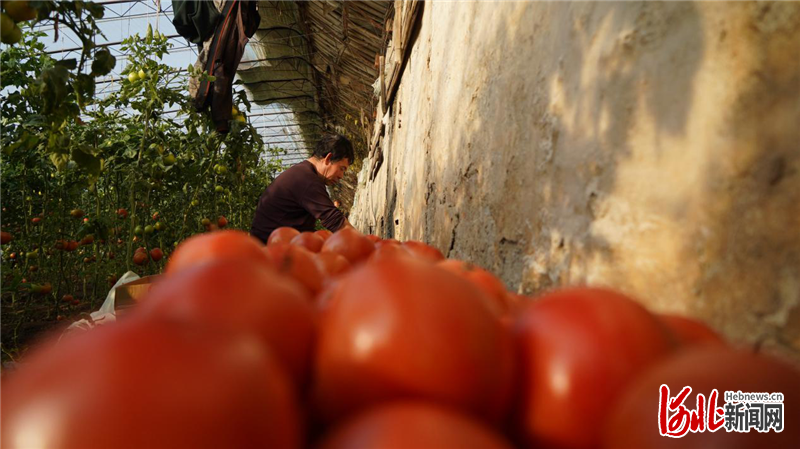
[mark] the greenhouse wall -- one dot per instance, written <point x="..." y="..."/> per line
<point x="651" y="147"/>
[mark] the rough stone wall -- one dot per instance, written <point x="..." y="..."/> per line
<point x="651" y="147"/>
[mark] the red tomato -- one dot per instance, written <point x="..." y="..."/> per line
<point x="373" y="238"/>
<point x="417" y="425"/>
<point x="222" y="222"/>
<point x="309" y="241"/>
<point x="353" y="245"/>
<point x="88" y="240"/>
<point x="156" y="254"/>
<point x="140" y="258"/>
<point x="151" y="384"/>
<point x="331" y="264"/>
<point x="221" y="245"/>
<point x="5" y="237"/>
<point x="690" y="332"/>
<point x="36" y="220"/>
<point x="297" y="263"/>
<point x="401" y="328"/>
<point x="483" y="280"/>
<point x="240" y="295"/>
<point x="634" y="422"/>
<point x="579" y="349"/>
<point x="122" y="213"/>
<point x="423" y="251"/>
<point x="72" y="246"/>
<point x="324" y="233"/>
<point x="282" y="235"/>
<point x="389" y="251"/>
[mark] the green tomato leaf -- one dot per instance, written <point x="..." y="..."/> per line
<point x="95" y="9"/>
<point x="86" y="161"/>
<point x="53" y="88"/>
<point x="59" y="160"/>
<point x="69" y="64"/>
<point x="84" y="87"/>
<point x="103" y="62"/>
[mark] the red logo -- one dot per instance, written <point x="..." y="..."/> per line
<point x="675" y="420"/>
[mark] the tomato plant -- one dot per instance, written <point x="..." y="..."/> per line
<point x="86" y="173"/>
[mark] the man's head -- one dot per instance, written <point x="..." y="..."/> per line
<point x="332" y="156"/>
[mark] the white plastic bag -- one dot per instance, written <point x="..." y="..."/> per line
<point x="107" y="313"/>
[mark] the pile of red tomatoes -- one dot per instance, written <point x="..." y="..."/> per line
<point x="346" y="340"/>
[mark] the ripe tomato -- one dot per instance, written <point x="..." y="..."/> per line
<point x="36" y="220"/>
<point x="353" y="245"/>
<point x="122" y="213"/>
<point x="88" y="240"/>
<point x="76" y="213"/>
<point x="634" y="422"/>
<point x="72" y="245"/>
<point x="417" y="425"/>
<point x="373" y="238"/>
<point x="483" y="280"/>
<point x="140" y="258"/>
<point x="156" y="254"/>
<point x="297" y="263"/>
<point x="331" y="264"/>
<point x="222" y="221"/>
<point x="579" y="349"/>
<point x="423" y="251"/>
<point x="309" y="241"/>
<point x="282" y="235"/>
<point x="68" y="298"/>
<point x="458" y="354"/>
<point x="203" y="248"/>
<point x="5" y="237"/>
<point x="324" y="233"/>
<point x="242" y="296"/>
<point x="388" y="251"/>
<point x="152" y="384"/>
<point x="690" y="332"/>
<point x="46" y="289"/>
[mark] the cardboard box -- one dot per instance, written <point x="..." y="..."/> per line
<point x="130" y="294"/>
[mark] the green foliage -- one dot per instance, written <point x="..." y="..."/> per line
<point x="63" y="149"/>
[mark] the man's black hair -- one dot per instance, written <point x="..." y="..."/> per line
<point x="337" y="145"/>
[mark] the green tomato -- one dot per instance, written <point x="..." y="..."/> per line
<point x="221" y="169"/>
<point x="169" y="159"/>
<point x="132" y="77"/>
<point x="219" y="189"/>
<point x="149" y="229"/>
<point x="195" y="203"/>
<point x="142" y="75"/>
<point x="160" y="226"/>
<point x="138" y="230"/>
<point x="10" y="33"/>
